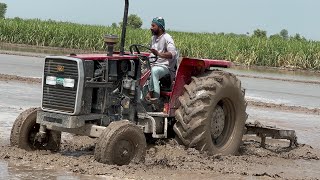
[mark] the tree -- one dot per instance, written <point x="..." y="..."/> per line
<point x="114" y="25"/>
<point x="260" y="33"/>
<point x="297" y="37"/>
<point x="284" y="34"/>
<point x="134" y="21"/>
<point x="3" y="10"/>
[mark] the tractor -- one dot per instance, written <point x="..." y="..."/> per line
<point x="99" y="95"/>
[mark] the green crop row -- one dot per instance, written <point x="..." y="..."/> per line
<point x="276" y="52"/>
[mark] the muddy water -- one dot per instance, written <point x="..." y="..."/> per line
<point x="15" y="97"/>
<point x="19" y="96"/>
<point x="307" y="126"/>
<point x="276" y="73"/>
<point x="10" y="171"/>
<point x="282" y="92"/>
<point x="21" y="65"/>
<point x="292" y="88"/>
<point x="258" y="89"/>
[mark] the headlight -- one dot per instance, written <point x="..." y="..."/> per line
<point x="51" y="80"/>
<point x="68" y="83"/>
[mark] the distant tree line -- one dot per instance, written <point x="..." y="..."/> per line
<point x="134" y="21"/>
<point x="3" y="10"/>
<point x="284" y="34"/>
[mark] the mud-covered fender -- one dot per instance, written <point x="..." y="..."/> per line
<point x="186" y="68"/>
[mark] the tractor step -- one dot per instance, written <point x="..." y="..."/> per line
<point x="263" y="132"/>
<point x="158" y="114"/>
<point x="152" y="119"/>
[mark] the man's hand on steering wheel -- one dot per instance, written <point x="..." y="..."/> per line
<point x="155" y="52"/>
<point x="136" y="48"/>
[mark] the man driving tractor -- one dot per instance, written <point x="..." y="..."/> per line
<point x="162" y="46"/>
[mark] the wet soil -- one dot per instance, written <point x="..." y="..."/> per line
<point x="167" y="160"/>
<point x="283" y="107"/>
<point x="38" y="51"/>
<point x="7" y="78"/>
<point x="279" y="79"/>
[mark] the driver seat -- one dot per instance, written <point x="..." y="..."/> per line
<point x="167" y="82"/>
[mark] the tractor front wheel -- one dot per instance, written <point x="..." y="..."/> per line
<point x="121" y="143"/>
<point x="212" y="114"/>
<point x="24" y="132"/>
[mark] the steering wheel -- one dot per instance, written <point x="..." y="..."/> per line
<point x="136" y="48"/>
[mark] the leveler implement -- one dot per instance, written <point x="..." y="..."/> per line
<point x="101" y="96"/>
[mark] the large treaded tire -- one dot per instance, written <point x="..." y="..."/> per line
<point x="24" y="130"/>
<point x="121" y="143"/>
<point x="207" y="94"/>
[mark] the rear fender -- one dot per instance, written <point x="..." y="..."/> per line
<point x="187" y="68"/>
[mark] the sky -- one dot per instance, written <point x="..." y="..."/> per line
<point x="228" y="16"/>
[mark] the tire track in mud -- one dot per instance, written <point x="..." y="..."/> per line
<point x="315" y="111"/>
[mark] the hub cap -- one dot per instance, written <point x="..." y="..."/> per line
<point x="124" y="151"/>
<point x="217" y="122"/>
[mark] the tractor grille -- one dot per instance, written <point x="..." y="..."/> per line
<point x="57" y="97"/>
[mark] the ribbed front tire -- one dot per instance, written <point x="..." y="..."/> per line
<point x="24" y="130"/>
<point x="121" y="143"/>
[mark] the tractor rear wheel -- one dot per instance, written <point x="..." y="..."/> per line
<point x="121" y="143"/>
<point x="212" y="114"/>
<point x="25" y="129"/>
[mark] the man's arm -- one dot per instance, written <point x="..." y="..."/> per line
<point x="165" y="55"/>
<point x="171" y="49"/>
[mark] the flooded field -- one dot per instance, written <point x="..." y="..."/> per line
<point x="9" y="171"/>
<point x="167" y="160"/>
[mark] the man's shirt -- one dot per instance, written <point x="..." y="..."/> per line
<point x="165" y="43"/>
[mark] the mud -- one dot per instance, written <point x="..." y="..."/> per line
<point x="38" y="51"/>
<point x="7" y="78"/>
<point x="279" y="79"/>
<point x="283" y="107"/>
<point x="167" y="160"/>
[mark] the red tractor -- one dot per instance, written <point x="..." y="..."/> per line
<point x="99" y="95"/>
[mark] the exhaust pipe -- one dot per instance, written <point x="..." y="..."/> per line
<point x="124" y="27"/>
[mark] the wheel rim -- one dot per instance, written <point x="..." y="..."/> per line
<point x="32" y="135"/>
<point x="222" y="123"/>
<point x="217" y="122"/>
<point x="32" y="140"/>
<point x="124" y="152"/>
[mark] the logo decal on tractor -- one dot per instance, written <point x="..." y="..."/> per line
<point x="60" y="68"/>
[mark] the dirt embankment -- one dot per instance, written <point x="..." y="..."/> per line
<point x="7" y="77"/>
<point x="283" y="107"/>
<point x="167" y="160"/>
<point x="279" y="79"/>
<point x="38" y="51"/>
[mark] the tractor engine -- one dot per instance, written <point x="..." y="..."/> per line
<point x="77" y="86"/>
